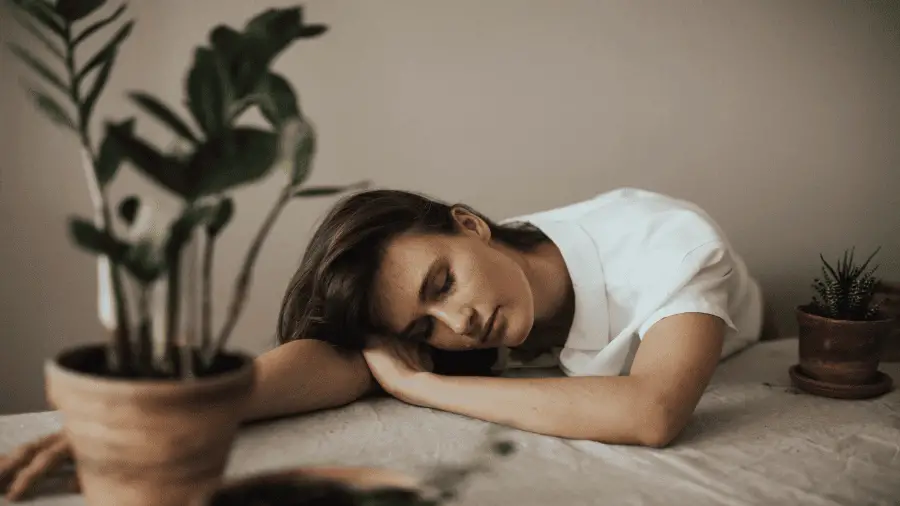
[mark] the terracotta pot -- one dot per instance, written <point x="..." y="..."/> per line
<point x="842" y="352"/>
<point x="143" y="442"/>
<point x="313" y="486"/>
<point x="888" y="294"/>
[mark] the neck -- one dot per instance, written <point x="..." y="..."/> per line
<point x="550" y="283"/>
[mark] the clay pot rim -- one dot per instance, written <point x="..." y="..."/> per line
<point x="801" y="310"/>
<point x="108" y="384"/>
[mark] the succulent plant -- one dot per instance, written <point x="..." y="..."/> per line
<point x="214" y="153"/>
<point x="847" y="291"/>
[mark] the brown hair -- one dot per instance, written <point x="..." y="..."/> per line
<point x="327" y="299"/>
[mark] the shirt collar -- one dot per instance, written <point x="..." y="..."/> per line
<point x="590" y="325"/>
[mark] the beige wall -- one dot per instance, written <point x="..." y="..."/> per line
<point x="781" y="117"/>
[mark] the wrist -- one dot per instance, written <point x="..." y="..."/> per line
<point x="419" y="387"/>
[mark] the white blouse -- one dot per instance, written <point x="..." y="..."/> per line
<point x="636" y="257"/>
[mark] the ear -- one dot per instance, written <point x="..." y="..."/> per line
<point x="470" y="223"/>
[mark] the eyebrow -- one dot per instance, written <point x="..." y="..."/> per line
<point x="423" y="289"/>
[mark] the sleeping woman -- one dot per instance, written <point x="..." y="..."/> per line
<point x="635" y="296"/>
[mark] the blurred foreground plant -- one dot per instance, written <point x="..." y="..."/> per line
<point x="215" y="153"/>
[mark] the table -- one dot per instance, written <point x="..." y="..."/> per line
<point x="753" y="440"/>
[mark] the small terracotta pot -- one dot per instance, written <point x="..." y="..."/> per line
<point x="143" y="442"/>
<point x="888" y="294"/>
<point x="313" y="486"/>
<point x="841" y="352"/>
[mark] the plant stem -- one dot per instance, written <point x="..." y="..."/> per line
<point x="172" y="307"/>
<point x="242" y="284"/>
<point x="144" y="353"/>
<point x="119" y="354"/>
<point x="206" y="317"/>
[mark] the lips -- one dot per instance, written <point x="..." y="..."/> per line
<point x="489" y="327"/>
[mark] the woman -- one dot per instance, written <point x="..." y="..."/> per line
<point x="636" y="296"/>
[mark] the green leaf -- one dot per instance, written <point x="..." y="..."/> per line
<point x="108" y="51"/>
<point x="128" y="209"/>
<point x="56" y="112"/>
<point x="205" y="97"/>
<point x="96" y="241"/>
<point x="160" y="168"/>
<point x="38" y="34"/>
<point x="40" y="67"/>
<point x="161" y="112"/>
<point x="231" y="53"/>
<point x="277" y="100"/>
<point x="325" y="191"/>
<point x="99" y="25"/>
<point x="144" y="261"/>
<point x="191" y="218"/>
<point x="277" y="28"/>
<point x="44" y="14"/>
<point x="74" y="10"/>
<point x="97" y="87"/>
<point x="221" y="216"/>
<point x="110" y="157"/>
<point x="235" y="158"/>
<point x="303" y="157"/>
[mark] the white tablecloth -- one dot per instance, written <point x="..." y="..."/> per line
<point x="753" y="440"/>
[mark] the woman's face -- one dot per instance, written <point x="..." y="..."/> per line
<point x="455" y="292"/>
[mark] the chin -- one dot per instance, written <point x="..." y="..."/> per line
<point x="517" y="334"/>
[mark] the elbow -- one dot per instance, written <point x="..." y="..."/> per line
<point x="659" y="425"/>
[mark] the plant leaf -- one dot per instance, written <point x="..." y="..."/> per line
<point x="56" y="112"/>
<point x="180" y="229"/>
<point x="144" y="261"/>
<point x="43" y="13"/>
<point x="221" y="217"/>
<point x="110" y="156"/>
<point x="38" y="34"/>
<point x="73" y="10"/>
<point x="235" y="158"/>
<point x="160" y="168"/>
<point x="99" y="25"/>
<point x="277" y="28"/>
<point x="108" y="51"/>
<point x="161" y="112"/>
<point x="40" y="67"/>
<point x="325" y="191"/>
<point x="97" y="87"/>
<point x="276" y="99"/>
<point x="89" y="238"/>
<point x="303" y="156"/>
<point x="205" y="97"/>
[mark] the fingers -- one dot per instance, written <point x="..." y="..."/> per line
<point x="43" y="461"/>
<point x="10" y="464"/>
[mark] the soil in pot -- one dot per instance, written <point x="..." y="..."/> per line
<point x="147" y="441"/>
<point x="841" y="352"/>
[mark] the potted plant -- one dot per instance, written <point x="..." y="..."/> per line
<point x="151" y="413"/>
<point x="887" y="296"/>
<point x="842" y="330"/>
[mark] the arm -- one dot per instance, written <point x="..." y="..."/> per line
<point x="671" y="370"/>
<point x="306" y="375"/>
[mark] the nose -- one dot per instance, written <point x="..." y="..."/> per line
<point x="460" y="320"/>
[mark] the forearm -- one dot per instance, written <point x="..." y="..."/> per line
<point x="613" y="410"/>
<point x="303" y="376"/>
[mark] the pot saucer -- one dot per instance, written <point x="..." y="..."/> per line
<point x="880" y="386"/>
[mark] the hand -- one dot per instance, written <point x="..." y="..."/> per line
<point x="32" y="461"/>
<point x="395" y="364"/>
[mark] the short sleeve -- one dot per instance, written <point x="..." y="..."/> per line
<point x="706" y="291"/>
